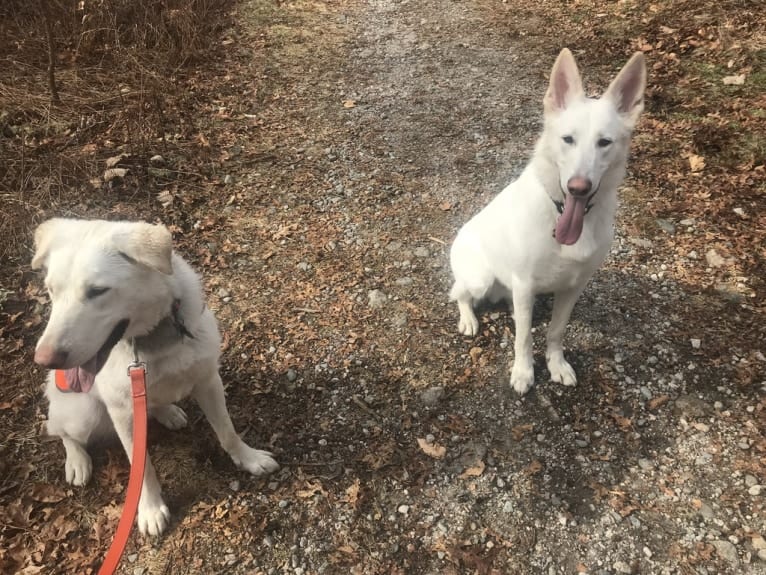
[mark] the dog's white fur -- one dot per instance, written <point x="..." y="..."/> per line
<point x="136" y="262"/>
<point x="508" y="250"/>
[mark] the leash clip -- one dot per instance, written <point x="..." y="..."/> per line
<point x="137" y="365"/>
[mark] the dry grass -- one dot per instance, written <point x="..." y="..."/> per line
<point x="118" y="66"/>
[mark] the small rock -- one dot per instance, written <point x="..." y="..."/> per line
<point x="696" y="343"/>
<point x="691" y="406"/>
<point x="666" y="226"/>
<point x="622" y="567"/>
<point x="234" y="485"/>
<point x="283" y="503"/>
<point x="291" y="375"/>
<point x="139" y="571"/>
<point x="647" y="552"/>
<point x="228" y="179"/>
<point x="739" y="211"/>
<point x="304" y="266"/>
<point x="157" y="160"/>
<point x="322" y="442"/>
<point x="692" y="255"/>
<point x="726" y="551"/>
<point x="641" y="242"/>
<point x="376" y="298"/>
<point x="687" y="222"/>
<point x="758" y="542"/>
<point x="762" y="554"/>
<point x="132" y="557"/>
<point x="755" y="490"/>
<point x="421" y="252"/>
<point x="704" y="459"/>
<point x="403" y="509"/>
<point x="714" y="259"/>
<point x="431" y="396"/>
<point x="705" y="511"/>
<point x="750" y="480"/>
<point x="405" y="281"/>
<point x="223" y="292"/>
<point x="645" y="464"/>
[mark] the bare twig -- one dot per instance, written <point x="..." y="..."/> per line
<point x="51" y="55"/>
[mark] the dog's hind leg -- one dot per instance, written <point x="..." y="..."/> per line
<point x="563" y="303"/>
<point x="473" y="279"/>
<point x="212" y="401"/>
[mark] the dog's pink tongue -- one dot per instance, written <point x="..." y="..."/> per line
<point x="79" y="379"/>
<point x="569" y="224"/>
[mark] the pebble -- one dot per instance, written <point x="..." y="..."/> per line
<point x="157" y="160"/>
<point x="421" y="252"/>
<point x="304" y="266"/>
<point x="405" y="281"/>
<point x="234" y="485"/>
<point x="403" y="509"/>
<point x="751" y="480"/>
<point x="691" y="406"/>
<point x="703" y="459"/>
<point x="228" y="179"/>
<point x="291" y="375"/>
<point x="132" y="557"/>
<point x="647" y="552"/>
<point x="283" y="503"/>
<point x="507" y="507"/>
<point x="376" y="299"/>
<point x="223" y="293"/>
<point x="714" y="259"/>
<point x="622" y="567"/>
<point x="668" y="227"/>
<point x="431" y="396"/>
<point x="696" y="343"/>
<point x="755" y="490"/>
<point x="726" y="551"/>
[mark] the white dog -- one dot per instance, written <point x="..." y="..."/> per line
<point x="112" y="284"/>
<point x="551" y="229"/>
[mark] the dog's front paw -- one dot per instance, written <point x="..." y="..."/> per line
<point x="171" y="416"/>
<point x="255" y="461"/>
<point x="522" y="378"/>
<point x="78" y="467"/>
<point x="468" y="325"/>
<point x="561" y="371"/>
<point x="153" y="519"/>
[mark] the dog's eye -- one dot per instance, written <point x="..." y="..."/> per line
<point x="93" y="292"/>
<point x="568" y="139"/>
<point x="604" y="142"/>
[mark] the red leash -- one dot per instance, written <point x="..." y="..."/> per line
<point x="137" y="372"/>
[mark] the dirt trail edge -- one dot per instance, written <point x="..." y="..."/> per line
<point x="352" y="140"/>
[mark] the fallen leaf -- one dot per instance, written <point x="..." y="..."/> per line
<point x="696" y="163"/>
<point x="114" y="160"/>
<point x="534" y="468"/>
<point x="432" y="449"/>
<point x="349" y="103"/>
<point x="113" y="173"/>
<point x="445" y="206"/>
<point x="475" y="352"/>
<point x="352" y="493"/>
<point x="520" y="431"/>
<point x="47" y="493"/>
<point x="473" y="471"/>
<point x="737" y="80"/>
<point x="656" y="402"/>
<point x="311" y="490"/>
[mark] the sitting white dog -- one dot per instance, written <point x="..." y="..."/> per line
<point x="113" y="285"/>
<point x="550" y="230"/>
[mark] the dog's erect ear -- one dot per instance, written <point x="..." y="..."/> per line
<point x="44" y="235"/>
<point x="627" y="89"/>
<point x="565" y="85"/>
<point x="146" y="244"/>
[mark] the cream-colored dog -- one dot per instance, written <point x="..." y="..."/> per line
<point x="113" y="284"/>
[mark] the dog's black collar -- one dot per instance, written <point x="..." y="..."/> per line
<point x="170" y="329"/>
<point x="588" y="203"/>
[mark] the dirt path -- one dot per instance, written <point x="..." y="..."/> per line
<point x="353" y="139"/>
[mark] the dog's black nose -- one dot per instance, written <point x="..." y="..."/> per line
<point x="579" y="186"/>
<point x="50" y="357"/>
